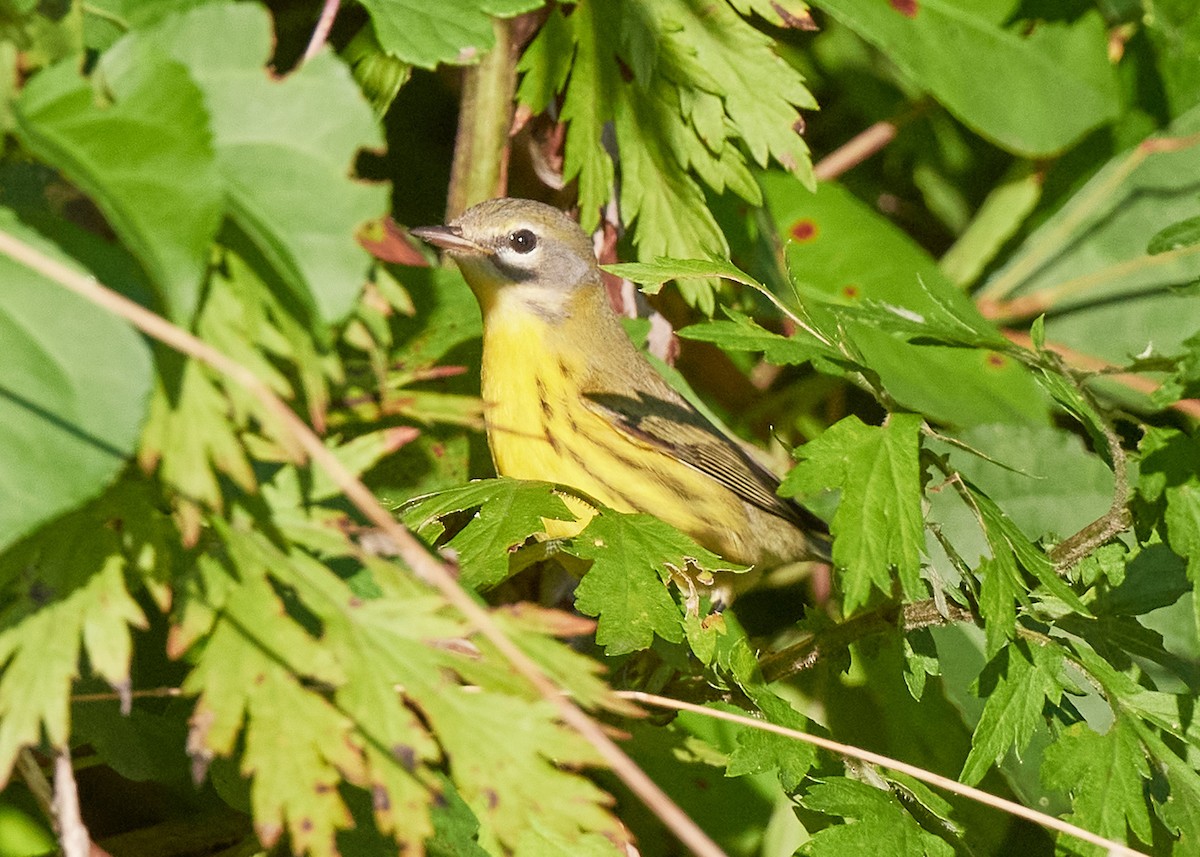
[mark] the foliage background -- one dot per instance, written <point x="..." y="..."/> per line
<point x="974" y="345"/>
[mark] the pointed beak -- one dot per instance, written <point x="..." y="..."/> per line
<point x="449" y="238"/>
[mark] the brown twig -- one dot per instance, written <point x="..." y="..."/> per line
<point x="321" y="32"/>
<point x="856" y="150"/>
<point x="845" y="750"/>
<point x="410" y="549"/>
<point x="894" y="617"/>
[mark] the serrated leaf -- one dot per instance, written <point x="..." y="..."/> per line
<point x="627" y="586"/>
<point x="75" y="382"/>
<point x="1017" y="684"/>
<point x="504" y="513"/>
<point x="878" y="525"/>
<point x="758" y="751"/>
<point x="283" y="157"/>
<point x="1105" y="775"/>
<point x="920" y="660"/>
<point x="741" y="333"/>
<point x="64" y="594"/>
<point x="877" y="823"/>
<point x="999" y="527"/>
<point x="685" y="94"/>
<point x="147" y="161"/>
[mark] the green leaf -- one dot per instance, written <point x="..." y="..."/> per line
<point x="146" y="160"/>
<point x="686" y="95"/>
<point x="1033" y="95"/>
<point x="1174" y="31"/>
<point x="742" y="333"/>
<point x="821" y="233"/>
<point x="504" y="513"/>
<point x="1180" y="809"/>
<point x="1087" y="266"/>
<point x="634" y="557"/>
<point x="64" y="594"/>
<point x="283" y="156"/>
<point x="877" y="823"/>
<point x="1017" y="684"/>
<point x="758" y="751"/>
<point x="878" y="525"/>
<point x="426" y="34"/>
<point x="74" y="386"/>
<point x="1105" y="775"/>
<point x="1185" y="233"/>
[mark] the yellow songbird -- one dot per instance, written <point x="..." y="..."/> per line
<point x="569" y="399"/>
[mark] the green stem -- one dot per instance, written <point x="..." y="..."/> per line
<point x="480" y="169"/>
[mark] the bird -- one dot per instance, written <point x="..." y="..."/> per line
<point x="569" y="399"/>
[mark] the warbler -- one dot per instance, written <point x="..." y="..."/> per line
<point x="569" y="399"/>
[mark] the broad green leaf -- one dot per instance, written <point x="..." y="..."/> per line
<point x="1033" y="95"/>
<point x="1017" y="684"/>
<point x="877" y="526"/>
<point x="426" y="34"/>
<point x="146" y="160"/>
<point x="74" y="387"/>
<point x="876" y="823"/>
<point x="283" y="156"/>
<point x="1105" y="774"/>
<point x="1174" y="30"/>
<point x="1050" y="485"/>
<point x="828" y="231"/>
<point x="503" y="513"/>
<point x="1087" y="266"/>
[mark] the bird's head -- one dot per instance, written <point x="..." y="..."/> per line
<point x="518" y="249"/>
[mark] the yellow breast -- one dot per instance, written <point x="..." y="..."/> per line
<point x="539" y="426"/>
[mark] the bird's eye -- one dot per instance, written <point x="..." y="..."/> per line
<point x="523" y="241"/>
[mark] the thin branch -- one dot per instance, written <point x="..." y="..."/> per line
<point x="410" y="549"/>
<point x="321" y="32"/>
<point x="1079" y="360"/>
<point x="113" y="696"/>
<point x="856" y="150"/>
<point x="894" y="617"/>
<point x="845" y="750"/>
<point x="72" y="834"/>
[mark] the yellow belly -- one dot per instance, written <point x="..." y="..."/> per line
<point x="539" y="427"/>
